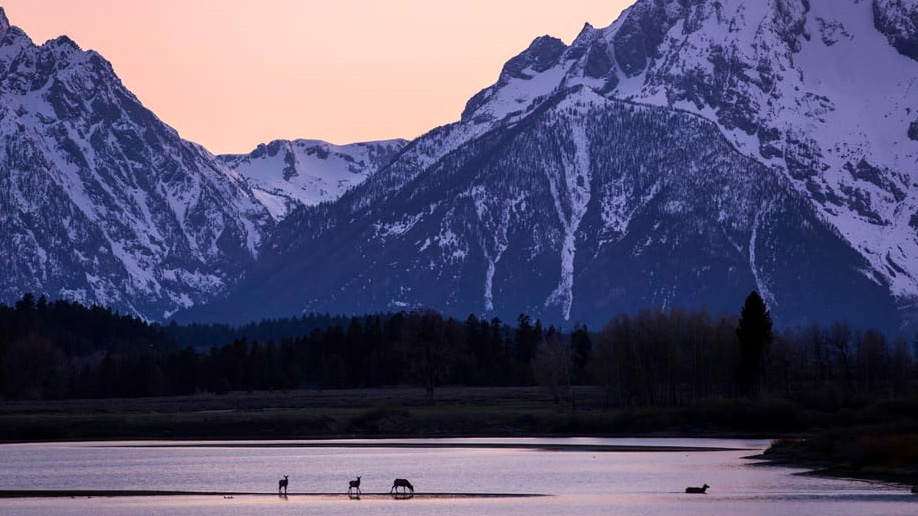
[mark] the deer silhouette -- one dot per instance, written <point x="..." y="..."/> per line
<point x="282" y="484"/>
<point x="697" y="490"/>
<point x="404" y="484"/>
<point x="353" y="484"/>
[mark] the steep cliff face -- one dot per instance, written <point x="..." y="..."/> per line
<point x="102" y="202"/>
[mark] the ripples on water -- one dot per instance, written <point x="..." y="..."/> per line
<point x="580" y="482"/>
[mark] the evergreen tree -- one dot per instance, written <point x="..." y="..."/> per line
<point x="755" y="335"/>
<point x="581" y="351"/>
<point x="27" y="303"/>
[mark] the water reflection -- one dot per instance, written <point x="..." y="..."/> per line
<point x="463" y="481"/>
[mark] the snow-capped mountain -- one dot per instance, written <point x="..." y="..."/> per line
<point x="825" y="91"/>
<point x="102" y="202"/>
<point x="688" y="153"/>
<point x="285" y="174"/>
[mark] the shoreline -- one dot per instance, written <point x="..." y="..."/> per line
<point x="130" y="493"/>
<point x="438" y="442"/>
<point x="385" y="413"/>
<point x="557" y="447"/>
<point x="907" y="478"/>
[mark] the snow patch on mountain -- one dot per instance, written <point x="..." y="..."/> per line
<point x="494" y="240"/>
<point x="571" y="189"/>
<point x="402" y="226"/>
<point x="760" y="280"/>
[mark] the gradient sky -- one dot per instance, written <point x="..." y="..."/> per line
<point x="230" y="74"/>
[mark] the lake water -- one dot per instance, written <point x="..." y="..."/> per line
<point x="582" y="482"/>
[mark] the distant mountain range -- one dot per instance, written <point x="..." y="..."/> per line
<point x="681" y="157"/>
<point x="286" y="174"/>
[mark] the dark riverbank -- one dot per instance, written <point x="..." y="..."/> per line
<point x="887" y="453"/>
<point x="455" y="412"/>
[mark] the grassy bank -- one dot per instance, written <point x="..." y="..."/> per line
<point x="407" y="412"/>
<point x="887" y="453"/>
<point x="877" y="441"/>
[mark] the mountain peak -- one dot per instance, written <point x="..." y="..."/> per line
<point x="4" y="21"/>
<point x="541" y="55"/>
<point x="64" y="42"/>
<point x="586" y="36"/>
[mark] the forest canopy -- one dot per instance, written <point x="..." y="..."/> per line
<point x="62" y="349"/>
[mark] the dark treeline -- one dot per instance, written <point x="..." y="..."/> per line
<point x="678" y="357"/>
<point x="47" y="347"/>
<point x="65" y="350"/>
<point x="203" y="336"/>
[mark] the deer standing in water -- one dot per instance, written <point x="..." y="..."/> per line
<point x="353" y="484"/>
<point x="697" y="490"/>
<point x="282" y="484"/>
<point x="404" y="484"/>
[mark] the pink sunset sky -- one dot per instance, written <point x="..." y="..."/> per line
<point x="230" y="74"/>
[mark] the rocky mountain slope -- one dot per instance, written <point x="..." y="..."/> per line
<point x="102" y="202"/>
<point x="823" y="91"/>
<point x="684" y="155"/>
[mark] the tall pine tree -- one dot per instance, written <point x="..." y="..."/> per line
<point x="755" y="335"/>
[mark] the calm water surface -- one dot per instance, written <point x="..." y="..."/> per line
<point x="581" y="483"/>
